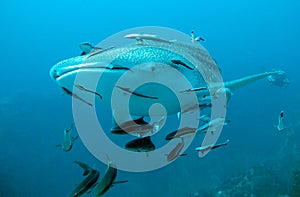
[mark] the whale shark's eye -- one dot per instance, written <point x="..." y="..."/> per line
<point x="54" y="74"/>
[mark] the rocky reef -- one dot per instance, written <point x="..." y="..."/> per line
<point x="256" y="182"/>
<point x="295" y="190"/>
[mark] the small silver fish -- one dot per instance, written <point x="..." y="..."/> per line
<point x="68" y="140"/>
<point x="108" y="180"/>
<point x="213" y="124"/>
<point x="280" y="126"/>
<point x="203" y="149"/>
<point x="143" y="37"/>
<point x="140" y="145"/>
<point x="180" y="133"/>
<point x="137" y="127"/>
<point x="88" y="183"/>
<point x="176" y="152"/>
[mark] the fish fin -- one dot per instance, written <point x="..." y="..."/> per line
<point x="67" y="149"/>
<point x="82" y="165"/>
<point x="86" y="48"/>
<point x="183" y="154"/>
<point x="110" y="162"/>
<point x="199" y="39"/>
<point x="281" y="114"/>
<point x="147" y="138"/>
<point x="178" y="115"/>
<point x="86" y="172"/>
<point x="68" y="130"/>
<point x="226" y="142"/>
<point x="226" y="122"/>
<point x="110" y="66"/>
<point x="171" y="135"/>
<point x="140" y="121"/>
<point x="74" y="138"/>
<point x="119" y="182"/>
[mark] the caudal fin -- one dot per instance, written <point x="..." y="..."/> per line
<point x="239" y="83"/>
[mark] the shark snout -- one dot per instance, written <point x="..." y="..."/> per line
<point x="53" y="73"/>
<point x="66" y="66"/>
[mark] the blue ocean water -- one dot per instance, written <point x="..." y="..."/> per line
<point x="245" y="37"/>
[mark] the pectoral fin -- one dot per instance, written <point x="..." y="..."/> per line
<point x="226" y="122"/>
<point x="84" y="166"/>
<point x="74" y="138"/>
<point x="86" y="172"/>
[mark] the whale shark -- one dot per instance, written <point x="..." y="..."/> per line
<point x="156" y="60"/>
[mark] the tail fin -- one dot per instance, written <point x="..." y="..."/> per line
<point x="84" y="166"/>
<point x="239" y="83"/>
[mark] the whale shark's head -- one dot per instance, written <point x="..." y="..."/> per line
<point x="64" y="73"/>
<point x="66" y="66"/>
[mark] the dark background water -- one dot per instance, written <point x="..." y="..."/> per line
<point x="244" y="37"/>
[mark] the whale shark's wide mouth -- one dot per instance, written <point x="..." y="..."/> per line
<point x="58" y="71"/>
<point x="56" y="74"/>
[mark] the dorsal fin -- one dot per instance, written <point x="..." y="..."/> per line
<point x="86" y="168"/>
<point x="281" y="114"/>
<point x="68" y="130"/>
<point x="87" y="48"/>
<point x="74" y="138"/>
<point x="140" y="121"/>
<point x="86" y="172"/>
<point x="83" y="165"/>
